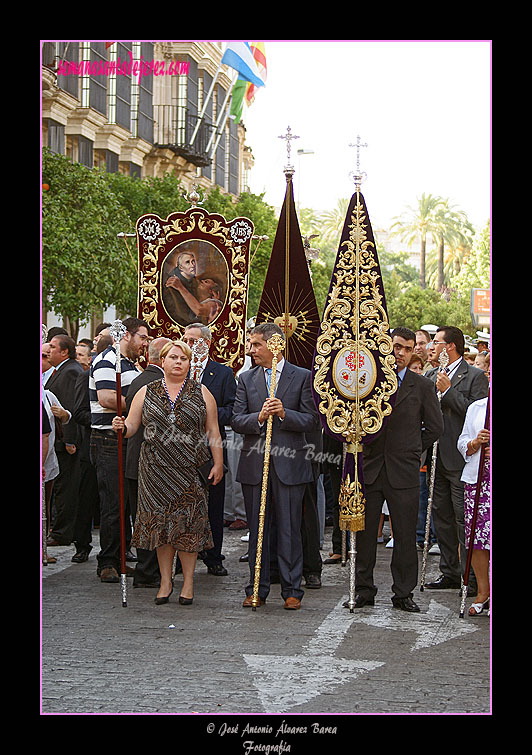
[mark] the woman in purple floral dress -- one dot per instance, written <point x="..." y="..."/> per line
<point x="473" y="437"/>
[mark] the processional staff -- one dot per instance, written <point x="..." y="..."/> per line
<point x="276" y="345"/>
<point x="443" y="359"/>
<point x="482" y="459"/>
<point x="117" y="331"/>
<point x="355" y="378"/>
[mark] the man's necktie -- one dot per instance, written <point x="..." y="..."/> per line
<point x="268" y="377"/>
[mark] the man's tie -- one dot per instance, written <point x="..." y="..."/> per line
<point x="268" y="377"/>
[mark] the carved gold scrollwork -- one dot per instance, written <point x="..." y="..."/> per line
<point x="355" y="316"/>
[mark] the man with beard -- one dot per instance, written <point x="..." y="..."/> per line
<point x="104" y="441"/>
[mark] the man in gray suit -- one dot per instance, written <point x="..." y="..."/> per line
<point x="459" y="385"/>
<point x="294" y="414"/>
<point x="391" y="474"/>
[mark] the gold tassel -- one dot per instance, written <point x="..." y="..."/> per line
<point x="352" y="505"/>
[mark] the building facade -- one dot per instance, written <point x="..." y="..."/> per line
<point x="134" y="107"/>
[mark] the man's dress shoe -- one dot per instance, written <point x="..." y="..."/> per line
<point x="360" y="602"/>
<point x="443" y="583"/>
<point x="218" y="570"/>
<point x="405" y="604"/>
<point x="292" y="604"/>
<point x="248" y="602"/>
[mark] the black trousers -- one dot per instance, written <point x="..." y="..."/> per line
<point x="65" y="498"/>
<point x="104" y="456"/>
<point x="448" y="518"/>
<point x="147" y="566"/>
<point x="403" y="506"/>
<point x="213" y="557"/>
<point x="89" y="504"/>
<point x="310" y="531"/>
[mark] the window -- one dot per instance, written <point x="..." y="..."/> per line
<point x="56" y="137"/>
<point x="69" y="52"/>
<point x="94" y="86"/>
<point x="79" y="150"/>
<point x="106" y="160"/>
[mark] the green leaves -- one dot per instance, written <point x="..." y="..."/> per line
<point x="85" y="267"/>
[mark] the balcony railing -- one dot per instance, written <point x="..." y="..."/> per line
<point x="173" y="128"/>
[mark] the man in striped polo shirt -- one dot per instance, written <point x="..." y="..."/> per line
<point x="104" y="441"/>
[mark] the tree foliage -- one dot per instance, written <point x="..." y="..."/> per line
<point x="86" y="268"/>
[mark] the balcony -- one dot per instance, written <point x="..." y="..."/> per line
<point x="173" y="128"/>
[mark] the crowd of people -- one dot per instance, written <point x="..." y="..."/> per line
<point x="193" y="451"/>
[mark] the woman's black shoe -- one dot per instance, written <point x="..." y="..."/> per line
<point x="185" y="601"/>
<point x="162" y="601"/>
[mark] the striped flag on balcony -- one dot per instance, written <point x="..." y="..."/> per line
<point x="238" y="55"/>
<point x="243" y="90"/>
<point x="237" y="99"/>
<point x="259" y="53"/>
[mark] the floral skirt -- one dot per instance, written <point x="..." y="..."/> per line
<point x="481" y="540"/>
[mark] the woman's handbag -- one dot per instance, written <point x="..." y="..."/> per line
<point x="204" y="471"/>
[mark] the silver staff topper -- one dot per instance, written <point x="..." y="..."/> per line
<point x="200" y="350"/>
<point x="117" y="331"/>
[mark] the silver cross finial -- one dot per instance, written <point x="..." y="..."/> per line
<point x="358" y="176"/>
<point x="288" y="136"/>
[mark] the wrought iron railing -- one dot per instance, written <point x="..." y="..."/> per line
<point x="174" y="127"/>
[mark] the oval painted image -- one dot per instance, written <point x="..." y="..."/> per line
<point x="194" y="282"/>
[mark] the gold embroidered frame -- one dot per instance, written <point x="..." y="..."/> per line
<point x="217" y="245"/>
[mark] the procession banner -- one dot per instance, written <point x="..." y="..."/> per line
<point x="288" y="297"/>
<point x="354" y="372"/>
<point x="194" y="267"/>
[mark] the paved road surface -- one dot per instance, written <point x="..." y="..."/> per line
<point x="216" y="660"/>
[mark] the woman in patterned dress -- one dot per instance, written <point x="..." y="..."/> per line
<point x="472" y="438"/>
<point x="181" y="432"/>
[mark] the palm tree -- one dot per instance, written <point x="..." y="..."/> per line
<point x="454" y="228"/>
<point x="332" y="221"/>
<point x="419" y="223"/>
<point x="454" y="233"/>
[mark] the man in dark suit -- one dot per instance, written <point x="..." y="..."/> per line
<point x="147" y="572"/>
<point x="220" y="381"/>
<point x="460" y="384"/>
<point x="294" y="414"/>
<point x="391" y="474"/>
<point x="62" y="383"/>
